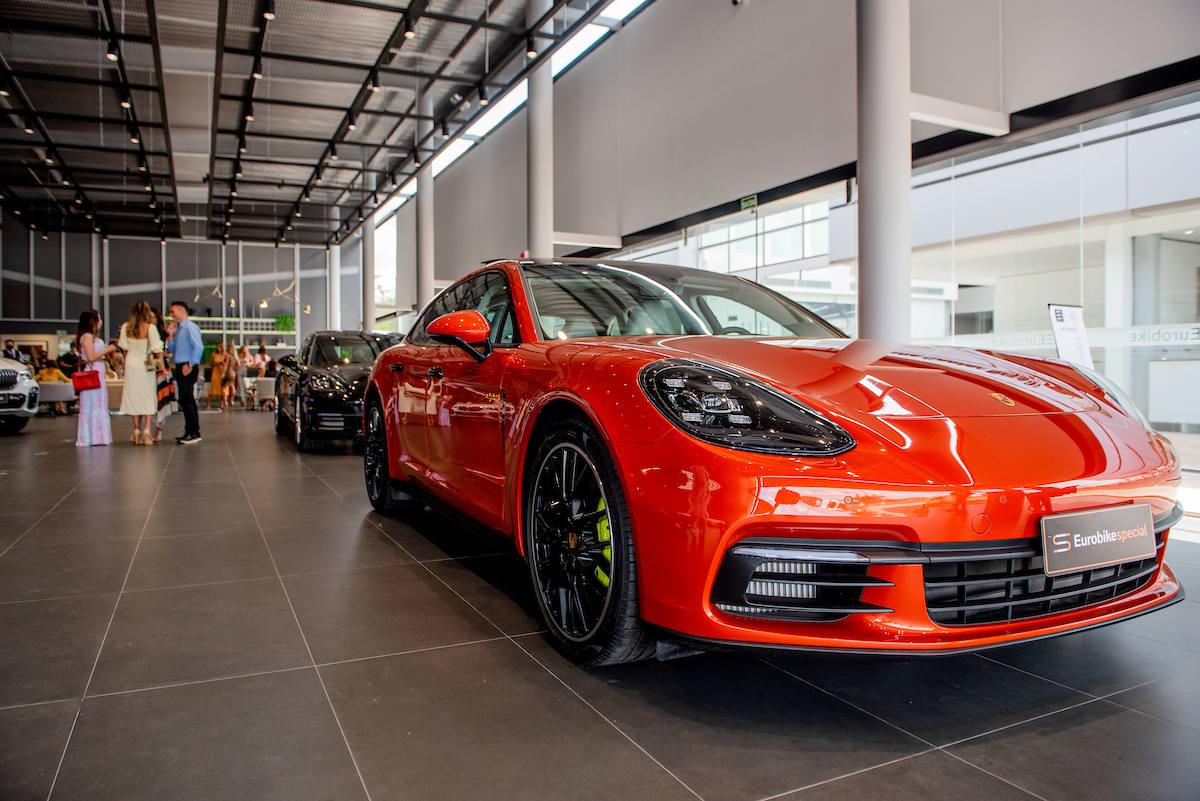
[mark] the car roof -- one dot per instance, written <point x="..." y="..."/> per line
<point x="659" y="272"/>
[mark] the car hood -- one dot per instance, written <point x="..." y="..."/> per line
<point x="352" y="375"/>
<point x="862" y="376"/>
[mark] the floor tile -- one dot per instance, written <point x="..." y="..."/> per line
<point x="498" y="586"/>
<point x="940" y="699"/>
<point x="13" y="526"/>
<point x="731" y="726"/>
<point x="412" y="720"/>
<point x="307" y="512"/>
<point x="1177" y="625"/>
<point x="1175" y="698"/>
<point x="935" y="776"/>
<point x="381" y="610"/>
<point x="196" y="518"/>
<point x="1184" y="559"/>
<point x="73" y="527"/>
<point x="265" y="738"/>
<point x="307" y="548"/>
<point x="187" y="634"/>
<point x="31" y="741"/>
<point x="29" y="571"/>
<point x="175" y="561"/>
<point x="1099" y="662"/>
<point x="47" y="647"/>
<point x="1097" y="751"/>
<point x="427" y="536"/>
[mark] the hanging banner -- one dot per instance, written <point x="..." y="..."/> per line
<point x="1070" y="335"/>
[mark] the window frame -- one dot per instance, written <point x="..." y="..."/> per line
<point x="416" y="335"/>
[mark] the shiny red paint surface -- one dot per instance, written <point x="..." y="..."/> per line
<point x="953" y="445"/>
<point x="469" y="326"/>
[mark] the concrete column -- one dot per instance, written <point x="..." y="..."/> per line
<point x="62" y="275"/>
<point x="224" y="300"/>
<point x="162" y="271"/>
<point x="539" y="140"/>
<point x="95" y="257"/>
<point x="367" y="231"/>
<point x="884" y="171"/>
<point x="333" y="286"/>
<point x="1118" y="301"/>
<point x="29" y="253"/>
<point x="104" y="283"/>
<point x="241" y="299"/>
<point x="424" y="200"/>
<point x="296" y="310"/>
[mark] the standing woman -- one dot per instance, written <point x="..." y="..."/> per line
<point x="245" y="364"/>
<point x="216" y="380"/>
<point x="140" y="341"/>
<point x="229" y="376"/>
<point x="94" y="427"/>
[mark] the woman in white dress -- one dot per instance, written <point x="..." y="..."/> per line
<point x="143" y="352"/>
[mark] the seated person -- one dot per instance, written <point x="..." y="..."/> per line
<point x="51" y="374"/>
<point x="272" y="369"/>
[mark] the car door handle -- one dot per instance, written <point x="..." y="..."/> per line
<point x="434" y="372"/>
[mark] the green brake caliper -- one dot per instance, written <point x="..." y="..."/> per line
<point x="603" y="534"/>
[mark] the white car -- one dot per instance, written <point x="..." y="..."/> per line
<point x="18" y="396"/>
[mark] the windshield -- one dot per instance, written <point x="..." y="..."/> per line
<point x="574" y="300"/>
<point x="332" y="350"/>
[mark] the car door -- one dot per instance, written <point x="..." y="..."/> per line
<point x="289" y="379"/>
<point x="463" y="397"/>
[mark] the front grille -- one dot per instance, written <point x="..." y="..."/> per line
<point x="780" y="583"/>
<point x="8" y="378"/>
<point x="1002" y="587"/>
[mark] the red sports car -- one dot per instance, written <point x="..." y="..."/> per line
<point x="687" y="457"/>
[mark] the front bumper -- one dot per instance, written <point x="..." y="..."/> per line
<point x="326" y="418"/>
<point x="906" y="530"/>
<point x="19" y="402"/>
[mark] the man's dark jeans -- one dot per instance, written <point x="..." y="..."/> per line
<point x="187" y="400"/>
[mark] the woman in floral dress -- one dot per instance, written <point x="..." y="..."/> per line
<point x="94" y="427"/>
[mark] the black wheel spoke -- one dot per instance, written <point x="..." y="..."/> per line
<point x="572" y="566"/>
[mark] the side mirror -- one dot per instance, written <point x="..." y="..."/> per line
<point x="464" y="329"/>
<point x="288" y="361"/>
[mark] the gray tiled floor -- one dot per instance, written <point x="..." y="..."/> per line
<point x="231" y="621"/>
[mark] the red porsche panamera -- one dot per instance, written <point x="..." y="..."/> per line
<point x="683" y="456"/>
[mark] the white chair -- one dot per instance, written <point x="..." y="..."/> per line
<point x="264" y="390"/>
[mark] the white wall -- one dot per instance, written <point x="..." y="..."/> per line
<point x="698" y="102"/>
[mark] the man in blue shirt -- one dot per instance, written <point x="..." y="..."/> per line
<point x="187" y="352"/>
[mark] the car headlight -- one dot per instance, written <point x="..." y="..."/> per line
<point x="730" y="409"/>
<point x="1115" y="395"/>
<point x="325" y="383"/>
<point x="24" y="375"/>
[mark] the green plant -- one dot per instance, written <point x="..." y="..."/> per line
<point x="285" y="322"/>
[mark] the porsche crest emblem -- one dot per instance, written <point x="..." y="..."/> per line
<point x="1007" y="401"/>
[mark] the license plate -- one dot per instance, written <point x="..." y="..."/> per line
<point x="1076" y="541"/>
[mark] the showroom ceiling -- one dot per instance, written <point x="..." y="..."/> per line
<point x="293" y="118"/>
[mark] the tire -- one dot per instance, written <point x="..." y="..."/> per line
<point x="304" y="443"/>
<point x="281" y="427"/>
<point x="10" y="425"/>
<point x="376" y="470"/>
<point x="578" y="565"/>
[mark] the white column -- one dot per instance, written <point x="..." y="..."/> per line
<point x="62" y="275"/>
<point x="296" y="310"/>
<point x="1118" y="301"/>
<point x="104" y="282"/>
<point x="95" y="257"/>
<point x="241" y="300"/>
<point x="424" y="201"/>
<point x="32" y="244"/>
<point x="884" y="171"/>
<point x="162" y="270"/>
<point x="224" y="301"/>
<point x="367" y="233"/>
<point x="539" y="141"/>
<point x="333" y="286"/>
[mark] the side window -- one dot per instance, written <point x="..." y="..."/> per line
<point x="487" y="294"/>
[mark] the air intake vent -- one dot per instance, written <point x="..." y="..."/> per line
<point x="780" y="583"/>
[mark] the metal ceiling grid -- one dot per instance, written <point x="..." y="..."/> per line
<point x="82" y="91"/>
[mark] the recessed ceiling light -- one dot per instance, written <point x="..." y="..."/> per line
<point x="126" y="102"/>
<point x="269" y="10"/>
<point x="111" y="54"/>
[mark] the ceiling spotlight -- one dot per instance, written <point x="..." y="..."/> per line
<point x="530" y="48"/>
<point x="409" y="33"/>
<point x="152" y="204"/>
<point x="3" y="92"/>
<point x="66" y="181"/>
<point x="307" y="308"/>
<point x="297" y="213"/>
<point x="375" y="86"/>
<point x="242" y="145"/>
<point x="33" y="225"/>
<point x="306" y="196"/>
<point x="351" y="124"/>
<point x="257" y="70"/>
<point x="249" y="112"/>
<point x="133" y="137"/>
<point x="142" y="166"/>
<point x="49" y="161"/>
<point x="262" y="304"/>
<point x="483" y="97"/>
<point x="157" y="219"/>
<point x="233" y="189"/>
<point x="416" y="156"/>
<point x="45" y="236"/>
<point x="333" y="156"/>
<point x="289" y="226"/>
<point x="269" y="12"/>
<point x="147" y="187"/>
<point x="126" y="102"/>
<point x="360" y="216"/>
<point x="445" y="130"/>
<point x="88" y="215"/>
<point x="29" y="127"/>
<point x="237" y="170"/>
<point x="229" y="222"/>
<point x="17" y="212"/>
<point x="111" y="54"/>
<point x="163" y="240"/>
<point x="78" y="199"/>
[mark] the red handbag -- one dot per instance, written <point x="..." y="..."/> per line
<point x="83" y="380"/>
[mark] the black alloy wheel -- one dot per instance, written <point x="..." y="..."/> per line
<point x="277" y="413"/>
<point x="375" y="460"/>
<point x="304" y="443"/>
<point x="579" y="548"/>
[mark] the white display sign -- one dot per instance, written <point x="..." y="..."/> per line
<point x="1070" y="335"/>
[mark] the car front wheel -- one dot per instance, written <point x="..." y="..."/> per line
<point x="12" y="424"/>
<point x="579" y="546"/>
